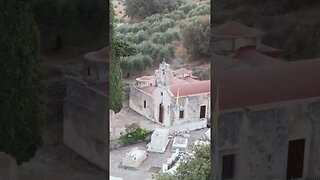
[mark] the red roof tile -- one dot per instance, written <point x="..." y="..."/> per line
<point x="267" y="84"/>
<point x="256" y="58"/>
<point x="149" y="90"/>
<point x="191" y="88"/>
<point x="182" y="71"/>
<point x="186" y="86"/>
<point x="191" y="79"/>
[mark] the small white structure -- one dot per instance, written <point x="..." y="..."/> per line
<point x="180" y="143"/>
<point x="174" y="162"/>
<point x="159" y="140"/>
<point x="134" y="158"/>
<point x="201" y="143"/>
<point x="115" y="178"/>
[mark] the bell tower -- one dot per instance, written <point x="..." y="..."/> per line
<point x="163" y="74"/>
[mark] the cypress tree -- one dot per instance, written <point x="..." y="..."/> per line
<point x="116" y="82"/>
<point x="21" y="99"/>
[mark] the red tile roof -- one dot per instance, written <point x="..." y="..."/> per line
<point x="187" y="86"/>
<point x="233" y="29"/>
<point x="191" y="88"/>
<point x="175" y="80"/>
<point x="191" y="78"/>
<point x="256" y="58"/>
<point x="182" y="71"/>
<point x="227" y="63"/>
<point x="267" y="84"/>
<point x="148" y="90"/>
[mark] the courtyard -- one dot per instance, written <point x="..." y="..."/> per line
<point x="152" y="164"/>
<point x="126" y="117"/>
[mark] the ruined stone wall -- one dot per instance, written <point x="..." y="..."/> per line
<point x="136" y="103"/>
<point x="260" y="136"/>
<point x="85" y="126"/>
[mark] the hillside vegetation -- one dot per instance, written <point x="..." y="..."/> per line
<point x="156" y="36"/>
<point x="287" y="24"/>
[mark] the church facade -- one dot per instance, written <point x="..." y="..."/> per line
<point x="269" y="111"/>
<point x="172" y="98"/>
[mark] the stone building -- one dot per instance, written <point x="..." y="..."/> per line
<point x="269" y="121"/>
<point x="172" y="98"/>
<point x="230" y="38"/>
<point x="85" y="125"/>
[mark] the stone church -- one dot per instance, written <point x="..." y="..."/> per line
<point x="172" y="98"/>
<point x="269" y="122"/>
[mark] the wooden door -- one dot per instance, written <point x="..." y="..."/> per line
<point x="160" y="113"/>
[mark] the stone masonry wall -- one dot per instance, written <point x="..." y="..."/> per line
<point x="136" y="103"/>
<point x="260" y="136"/>
<point x="85" y="126"/>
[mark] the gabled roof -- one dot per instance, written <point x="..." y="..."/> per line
<point x="233" y="29"/>
<point x="182" y="71"/>
<point x="256" y="58"/>
<point x="100" y="55"/>
<point x="187" y="86"/>
<point x="227" y="63"/>
<point x="268" y="84"/>
<point x="191" y="88"/>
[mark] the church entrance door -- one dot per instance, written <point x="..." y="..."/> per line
<point x="160" y="113"/>
<point x="295" y="158"/>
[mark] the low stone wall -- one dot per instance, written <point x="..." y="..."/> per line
<point x="188" y="126"/>
<point x="8" y="167"/>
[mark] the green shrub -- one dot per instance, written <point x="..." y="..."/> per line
<point x="203" y="9"/>
<point x="196" y="37"/>
<point x="167" y="37"/>
<point x="187" y="7"/>
<point x="153" y="18"/>
<point x="143" y="9"/>
<point x="134" y="134"/>
<point x="176" y="15"/>
<point x="166" y="24"/>
<point x="138" y="62"/>
<point x="205" y="75"/>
